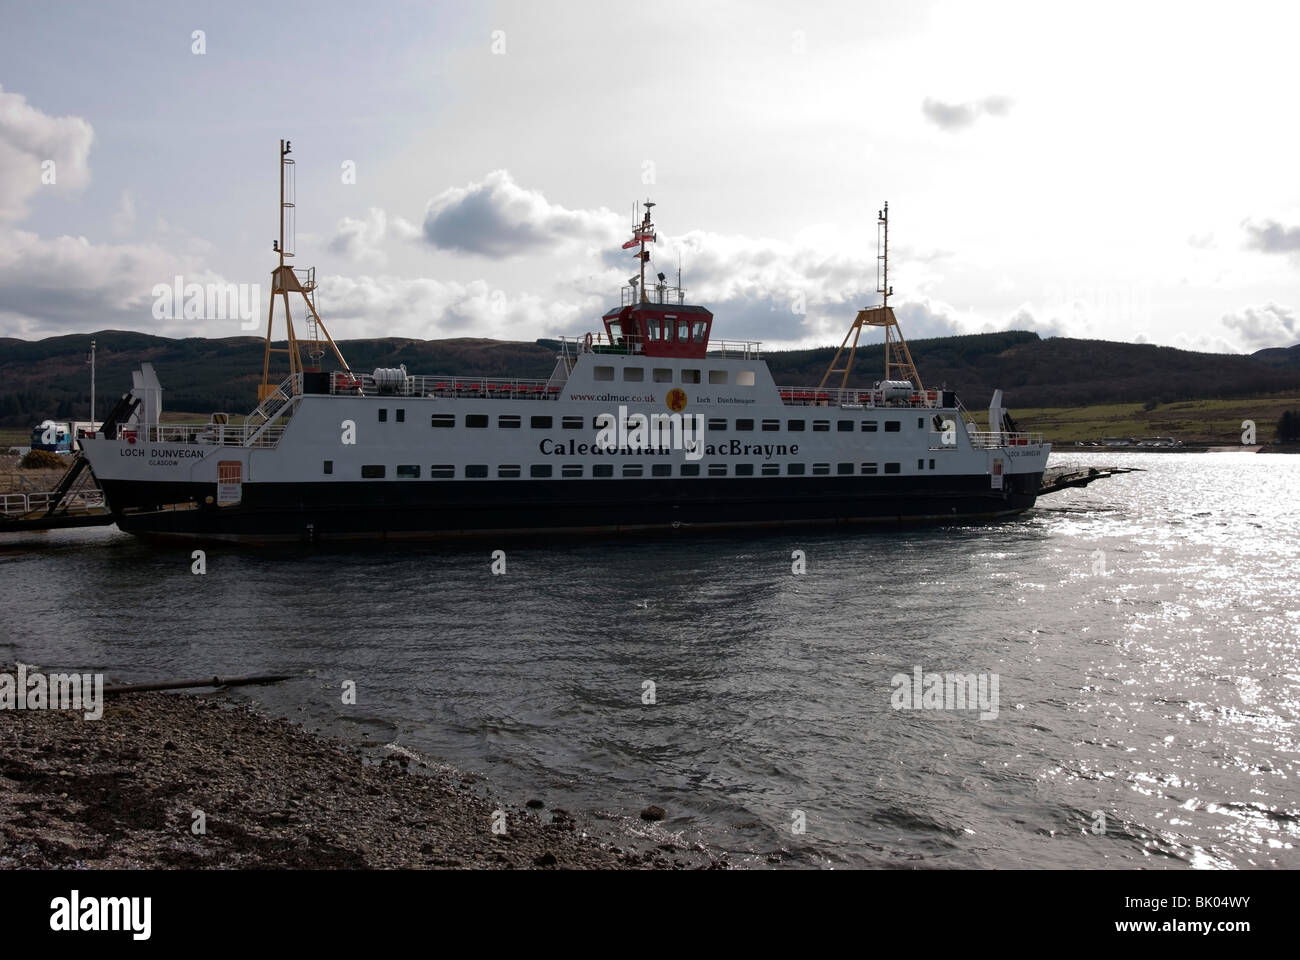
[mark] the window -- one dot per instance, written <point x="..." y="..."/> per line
<point x="440" y="471"/>
<point x="509" y="471"/>
<point x="699" y="330"/>
<point x="920" y="464"/>
<point x="821" y="426"/>
<point x="821" y="469"/>
<point x="541" y="423"/>
<point x="603" y="373"/>
<point x="892" y="467"/>
<point x="744" y="378"/>
<point x="771" y="469"/>
<point x="632" y="470"/>
<point x="411" y="471"/>
<point x="328" y="467"/>
<point x="771" y="425"/>
<point x="509" y="423"/>
<point x="690" y="376"/>
<point x="717" y="424"/>
<point x="571" y="470"/>
<point x="718" y="376"/>
<point x="744" y="424"/>
<point x="661" y="470"/>
<point x="634" y="374"/>
<point x="931" y="464"/>
<point x="602" y="470"/>
<point x="717" y="469"/>
<point x="442" y="420"/>
<point x="476" y="471"/>
<point x="476" y="420"/>
<point x="571" y="423"/>
<point x="920" y="423"/>
<point x="690" y="469"/>
<point x="744" y="469"/>
<point x="383" y="415"/>
<point x="662" y="375"/>
<point x="653" y="330"/>
<point x="869" y="468"/>
<point x="870" y="426"/>
<point x="372" y="471"/>
<point x="795" y="425"/>
<point x="539" y="470"/>
<point x="892" y="426"/>
<point x="844" y="469"/>
<point x="844" y="426"/>
<point x="684" y="332"/>
<point x="795" y="469"/>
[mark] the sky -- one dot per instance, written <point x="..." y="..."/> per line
<point x="1115" y="171"/>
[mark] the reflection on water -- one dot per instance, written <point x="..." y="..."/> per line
<point x="1144" y="632"/>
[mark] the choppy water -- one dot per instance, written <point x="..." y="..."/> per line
<point x="1162" y="694"/>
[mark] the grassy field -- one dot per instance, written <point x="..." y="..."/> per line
<point x="1202" y="421"/>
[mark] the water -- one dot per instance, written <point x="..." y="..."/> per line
<point x="1161" y="694"/>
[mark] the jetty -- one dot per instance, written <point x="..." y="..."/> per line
<point x="1062" y="478"/>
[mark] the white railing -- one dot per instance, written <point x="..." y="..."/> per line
<point x="21" y="504"/>
<point x="840" y="396"/>
<point x="508" y="388"/>
<point x="1003" y="438"/>
<point x="739" y="349"/>
<point x="210" y="434"/>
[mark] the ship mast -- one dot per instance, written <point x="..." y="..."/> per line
<point x="898" y="359"/>
<point x="286" y="280"/>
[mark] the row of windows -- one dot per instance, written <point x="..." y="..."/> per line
<point x="635" y="374"/>
<point x="715" y="424"/>
<point x="479" y="471"/>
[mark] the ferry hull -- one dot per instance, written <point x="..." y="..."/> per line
<point x="386" y="510"/>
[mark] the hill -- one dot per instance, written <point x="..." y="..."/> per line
<point x="50" y="378"/>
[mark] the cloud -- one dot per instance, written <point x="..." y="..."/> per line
<point x="67" y="284"/>
<point x="30" y="138"/>
<point x="124" y="219"/>
<point x="498" y="218"/>
<point x="958" y="116"/>
<point x="425" y="308"/>
<point x="359" y="239"/>
<point x="1272" y="237"/>
<point x="1269" y="325"/>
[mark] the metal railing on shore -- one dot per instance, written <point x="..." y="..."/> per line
<point x="21" y="504"/>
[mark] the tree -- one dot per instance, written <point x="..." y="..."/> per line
<point x="1288" y="427"/>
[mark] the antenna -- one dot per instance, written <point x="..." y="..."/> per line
<point x="882" y="259"/>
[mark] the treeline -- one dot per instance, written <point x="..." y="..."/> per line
<point x="51" y="378"/>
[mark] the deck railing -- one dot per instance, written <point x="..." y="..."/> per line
<point x="1003" y="438"/>
<point x="342" y="384"/>
<point x="856" y="396"/>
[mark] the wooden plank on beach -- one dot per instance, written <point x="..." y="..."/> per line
<point x="204" y="682"/>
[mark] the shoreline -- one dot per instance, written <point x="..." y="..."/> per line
<point x="128" y="791"/>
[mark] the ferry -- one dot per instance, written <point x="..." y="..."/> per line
<point x="648" y="423"/>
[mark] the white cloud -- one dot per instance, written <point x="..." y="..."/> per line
<point x="1270" y="325"/>
<point x="958" y="116"/>
<point x="30" y="138"/>
<point x="498" y="218"/>
<point x="359" y="240"/>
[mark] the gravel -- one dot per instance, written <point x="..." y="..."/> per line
<point x="132" y="790"/>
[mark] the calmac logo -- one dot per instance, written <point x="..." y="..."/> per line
<point x="676" y="400"/>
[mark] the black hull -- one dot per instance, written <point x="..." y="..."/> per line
<point x="415" y="509"/>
